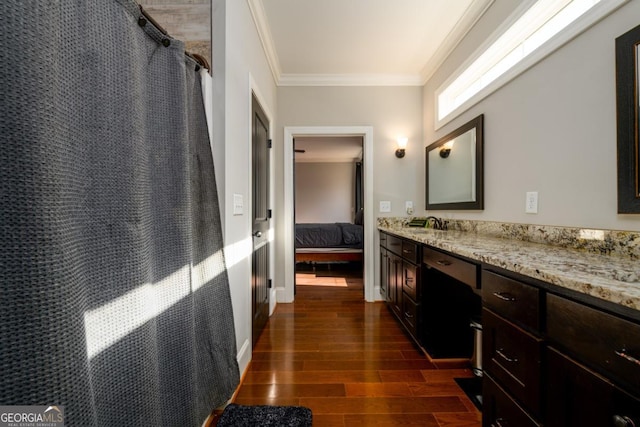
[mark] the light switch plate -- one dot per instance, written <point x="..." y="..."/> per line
<point x="238" y="204"/>
<point x="385" y="206"/>
<point x="531" y="205"/>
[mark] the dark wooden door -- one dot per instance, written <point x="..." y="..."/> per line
<point x="260" y="216"/>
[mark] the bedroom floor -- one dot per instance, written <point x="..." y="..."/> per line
<point x="350" y="362"/>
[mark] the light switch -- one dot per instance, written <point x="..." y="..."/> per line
<point x="238" y="204"/>
<point x="532" y="202"/>
<point x="385" y="206"/>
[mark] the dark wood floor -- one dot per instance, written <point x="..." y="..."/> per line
<point x="350" y="362"/>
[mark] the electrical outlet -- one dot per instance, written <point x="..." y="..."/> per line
<point x="408" y="206"/>
<point x="531" y="205"/>
<point x="385" y="206"/>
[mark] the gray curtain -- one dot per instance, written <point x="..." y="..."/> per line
<point x="359" y="194"/>
<point x="114" y="297"/>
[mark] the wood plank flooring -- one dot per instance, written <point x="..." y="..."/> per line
<point x="351" y="363"/>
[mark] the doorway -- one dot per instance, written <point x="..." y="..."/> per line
<point x="286" y="294"/>
<point x="329" y="237"/>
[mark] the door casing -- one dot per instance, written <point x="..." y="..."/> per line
<point x="371" y="292"/>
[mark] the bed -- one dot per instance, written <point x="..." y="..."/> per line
<point x="330" y="243"/>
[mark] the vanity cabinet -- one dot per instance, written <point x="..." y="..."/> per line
<point x="554" y="360"/>
<point x="593" y="365"/>
<point x="400" y="277"/>
<point x="512" y="349"/>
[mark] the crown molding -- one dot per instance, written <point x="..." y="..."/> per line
<point x="262" y="26"/>
<point x="461" y="29"/>
<point x="349" y="80"/>
<point x="475" y="11"/>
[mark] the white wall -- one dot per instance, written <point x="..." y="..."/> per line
<point x="239" y="66"/>
<point x="324" y="192"/>
<point x="551" y="130"/>
<point x="391" y="111"/>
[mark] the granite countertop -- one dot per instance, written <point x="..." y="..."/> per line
<point x="612" y="278"/>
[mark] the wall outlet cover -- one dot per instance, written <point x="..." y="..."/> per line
<point x="385" y="206"/>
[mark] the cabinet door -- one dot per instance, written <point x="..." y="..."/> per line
<point x="576" y="397"/>
<point x="410" y="281"/>
<point x="395" y="283"/>
<point x="384" y="273"/>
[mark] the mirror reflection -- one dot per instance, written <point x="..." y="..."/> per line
<point x="454" y="169"/>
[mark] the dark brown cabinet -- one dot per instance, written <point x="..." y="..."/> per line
<point x="593" y="366"/>
<point x="499" y="409"/>
<point x="512" y="348"/>
<point x="553" y="360"/>
<point x="400" y="276"/>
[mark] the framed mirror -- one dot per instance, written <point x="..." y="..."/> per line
<point x="628" y="111"/>
<point x="454" y="169"/>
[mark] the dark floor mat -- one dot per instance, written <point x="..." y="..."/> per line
<point x="265" y="415"/>
<point x="472" y="387"/>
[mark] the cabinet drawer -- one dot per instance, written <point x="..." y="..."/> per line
<point x="410" y="251"/>
<point x="394" y="244"/>
<point x="499" y="410"/>
<point x="410" y="281"/>
<point x="608" y="343"/>
<point x="512" y="356"/>
<point x="410" y="315"/>
<point x="514" y="300"/>
<point x="457" y="268"/>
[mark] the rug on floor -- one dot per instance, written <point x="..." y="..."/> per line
<point x="264" y="415"/>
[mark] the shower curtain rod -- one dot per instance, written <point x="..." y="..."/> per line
<point x="199" y="59"/>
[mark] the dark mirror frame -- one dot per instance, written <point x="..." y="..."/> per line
<point x="478" y="204"/>
<point x="627" y="117"/>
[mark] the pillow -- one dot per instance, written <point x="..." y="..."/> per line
<point x="359" y="219"/>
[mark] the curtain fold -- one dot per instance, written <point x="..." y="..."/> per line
<point x="114" y="296"/>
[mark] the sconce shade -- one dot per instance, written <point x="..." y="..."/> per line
<point x="402" y="145"/>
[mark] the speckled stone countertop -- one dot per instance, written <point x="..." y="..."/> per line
<point x="610" y="277"/>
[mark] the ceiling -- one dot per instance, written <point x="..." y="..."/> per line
<point x="361" y="42"/>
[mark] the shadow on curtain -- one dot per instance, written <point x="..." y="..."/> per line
<point x="114" y="298"/>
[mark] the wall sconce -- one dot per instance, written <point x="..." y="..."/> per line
<point x="402" y="145"/>
<point x="446" y="149"/>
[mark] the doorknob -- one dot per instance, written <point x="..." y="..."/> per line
<point x="258" y="234"/>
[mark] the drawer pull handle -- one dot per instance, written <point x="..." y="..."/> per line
<point x="407" y="251"/>
<point x="443" y="262"/>
<point x="500" y="353"/>
<point x="623" y="421"/>
<point x="504" y="296"/>
<point x="623" y="353"/>
<point x="500" y="422"/>
<point x="408" y="315"/>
